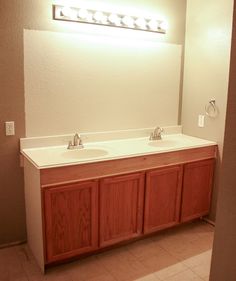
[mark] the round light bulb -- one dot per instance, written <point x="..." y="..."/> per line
<point x="104" y="19"/>
<point x="141" y="22"/>
<point x="83" y="14"/>
<point x="114" y="19"/>
<point x="98" y="16"/>
<point x="153" y="25"/>
<point x="67" y="12"/>
<point x="128" y="21"/>
<point x="163" y="25"/>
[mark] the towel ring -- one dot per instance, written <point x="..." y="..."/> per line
<point x="211" y="109"/>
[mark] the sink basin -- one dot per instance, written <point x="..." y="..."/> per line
<point x="164" y="143"/>
<point x="84" y="153"/>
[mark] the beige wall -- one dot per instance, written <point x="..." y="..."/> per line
<point x="206" y="70"/>
<point x="12" y="214"/>
<point x="224" y="249"/>
<point x="36" y="14"/>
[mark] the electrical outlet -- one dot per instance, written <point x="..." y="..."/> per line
<point x="201" y="121"/>
<point x="10" y="128"/>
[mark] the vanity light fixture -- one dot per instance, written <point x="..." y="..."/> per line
<point x="89" y="16"/>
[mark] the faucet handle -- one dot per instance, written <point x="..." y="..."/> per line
<point x="161" y="130"/>
<point x="70" y="145"/>
<point x="80" y="141"/>
<point x="76" y="136"/>
<point x="151" y="136"/>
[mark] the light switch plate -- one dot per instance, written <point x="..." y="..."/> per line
<point x="201" y="121"/>
<point x="10" y="128"/>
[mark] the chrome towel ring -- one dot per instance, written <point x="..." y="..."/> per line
<point x="211" y="109"/>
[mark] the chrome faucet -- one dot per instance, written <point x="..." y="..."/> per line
<point x="156" y="134"/>
<point x="76" y="143"/>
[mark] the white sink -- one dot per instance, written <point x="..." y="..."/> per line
<point x="164" y="143"/>
<point x="84" y="153"/>
<point x="52" y="156"/>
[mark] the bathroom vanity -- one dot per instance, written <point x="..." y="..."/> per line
<point x="77" y="206"/>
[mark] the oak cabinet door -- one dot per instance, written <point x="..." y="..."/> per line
<point x="197" y="186"/>
<point x="162" y="198"/>
<point x="71" y="220"/>
<point x="121" y="208"/>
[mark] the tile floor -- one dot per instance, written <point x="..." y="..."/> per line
<point x="179" y="254"/>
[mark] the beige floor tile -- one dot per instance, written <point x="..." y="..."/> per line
<point x="170" y="271"/>
<point x="205" y="229"/>
<point x="160" y="261"/>
<point x="188" y="233"/>
<point x="187" y="275"/>
<point x="206" y="240"/>
<point x="149" y="277"/>
<point x="85" y="269"/>
<point x="10" y="266"/>
<point x="110" y="258"/>
<point x="203" y="270"/>
<point x="192" y="231"/>
<point x="184" y="250"/>
<point x="53" y="276"/>
<point x="104" y="277"/>
<point x="180" y="248"/>
<point x="143" y="249"/>
<point x="203" y="258"/>
<point x="166" y="236"/>
<point x="122" y="265"/>
<point x="29" y="265"/>
<point x="128" y="272"/>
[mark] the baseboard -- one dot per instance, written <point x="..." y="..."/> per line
<point x="12" y="244"/>
<point x="209" y="221"/>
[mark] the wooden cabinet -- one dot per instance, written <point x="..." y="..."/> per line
<point x="197" y="186"/>
<point x="121" y="208"/>
<point x="94" y="205"/>
<point x="85" y="216"/>
<point x="71" y="220"/>
<point x="162" y="201"/>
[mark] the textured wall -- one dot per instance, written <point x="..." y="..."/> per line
<point x="36" y="14"/>
<point x="12" y="214"/>
<point x="224" y="249"/>
<point x="206" y="70"/>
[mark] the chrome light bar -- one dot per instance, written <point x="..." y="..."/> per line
<point x="89" y="16"/>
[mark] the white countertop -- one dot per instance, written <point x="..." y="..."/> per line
<point x="55" y="156"/>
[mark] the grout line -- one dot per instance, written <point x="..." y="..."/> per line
<point x="107" y="271"/>
<point x="197" y="274"/>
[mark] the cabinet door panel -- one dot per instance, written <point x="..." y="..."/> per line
<point x="162" y="199"/>
<point x="197" y="186"/>
<point x="70" y="220"/>
<point x="121" y="208"/>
